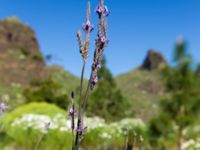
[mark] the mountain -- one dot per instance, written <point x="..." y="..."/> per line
<point x="154" y="60"/>
<point x="21" y="63"/>
<point x="20" y="58"/>
<point x="144" y="85"/>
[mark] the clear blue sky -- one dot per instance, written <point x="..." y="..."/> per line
<point x="134" y="27"/>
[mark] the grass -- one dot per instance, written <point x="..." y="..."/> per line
<point x="143" y="89"/>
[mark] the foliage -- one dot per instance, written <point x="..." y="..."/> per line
<point x="142" y="89"/>
<point x="25" y="52"/>
<point x="107" y="100"/>
<point x="37" y="56"/>
<point x="178" y="109"/>
<point x="46" y="91"/>
<point x="24" y="136"/>
<point x="24" y="126"/>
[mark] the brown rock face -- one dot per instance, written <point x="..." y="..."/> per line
<point x="20" y="57"/>
<point x="153" y="60"/>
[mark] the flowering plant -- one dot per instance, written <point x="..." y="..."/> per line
<point x="100" y="44"/>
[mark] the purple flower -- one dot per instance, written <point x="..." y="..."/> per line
<point x="106" y="11"/>
<point x="102" y="10"/>
<point x="72" y="112"/>
<point x="88" y="27"/>
<point x="3" y="106"/>
<point x="98" y="66"/>
<point x="102" y="40"/>
<point x="99" y="10"/>
<point x="81" y="130"/>
<point x="93" y="82"/>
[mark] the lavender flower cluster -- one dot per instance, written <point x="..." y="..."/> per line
<point x="100" y="44"/>
<point x="3" y="107"/>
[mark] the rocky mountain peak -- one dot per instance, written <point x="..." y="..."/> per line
<point x="153" y="60"/>
<point x="20" y="58"/>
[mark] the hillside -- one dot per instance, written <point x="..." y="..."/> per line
<point x="68" y="81"/>
<point x="21" y="62"/>
<point x="144" y="86"/>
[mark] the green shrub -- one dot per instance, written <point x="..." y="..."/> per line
<point x="25" y="125"/>
<point x="46" y="91"/>
<point x="25" y="52"/>
<point x="37" y="56"/>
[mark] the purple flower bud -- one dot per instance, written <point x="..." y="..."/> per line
<point x="81" y="130"/>
<point x="93" y="82"/>
<point x="88" y="27"/>
<point x="106" y="11"/>
<point x="98" y="66"/>
<point x="102" y="10"/>
<point x="71" y="112"/>
<point x="99" y="10"/>
<point x="3" y="107"/>
<point x="102" y="40"/>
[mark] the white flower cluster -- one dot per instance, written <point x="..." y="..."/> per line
<point x="39" y="122"/>
<point x="191" y="145"/>
<point x="61" y="123"/>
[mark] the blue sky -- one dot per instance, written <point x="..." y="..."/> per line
<point x="134" y="27"/>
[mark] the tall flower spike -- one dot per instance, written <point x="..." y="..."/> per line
<point x="101" y="42"/>
<point x="88" y="11"/>
<point x="88" y="27"/>
<point x="102" y="10"/>
<point x="83" y="51"/>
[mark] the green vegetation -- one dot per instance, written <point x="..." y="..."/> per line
<point x="180" y="107"/>
<point x="37" y="56"/>
<point x="25" y="52"/>
<point x="46" y="91"/>
<point x="13" y="19"/>
<point x="24" y="126"/>
<point x="142" y="88"/>
<point x="107" y="100"/>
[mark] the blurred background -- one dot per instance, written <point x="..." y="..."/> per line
<point x="149" y="83"/>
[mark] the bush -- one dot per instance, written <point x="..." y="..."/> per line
<point x="37" y="56"/>
<point x="25" y="125"/>
<point x="46" y="91"/>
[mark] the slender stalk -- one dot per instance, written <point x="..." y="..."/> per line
<point x="73" y="120"/>
<point x="86" y="95"/>
<point x="134" y="142"/>
<point x="39" y="141"/>
<point x="81" y="88"/>
<point x="80" y="99"/>
<point x="126" y="140"/>
<point x="73" y="139"/>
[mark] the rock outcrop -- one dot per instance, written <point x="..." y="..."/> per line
<point x="20" y="58"/>
<point x="153" y="61"/>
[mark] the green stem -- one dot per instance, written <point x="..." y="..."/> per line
<point x="80" y="99"/>
<point x="39" y="141"/>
